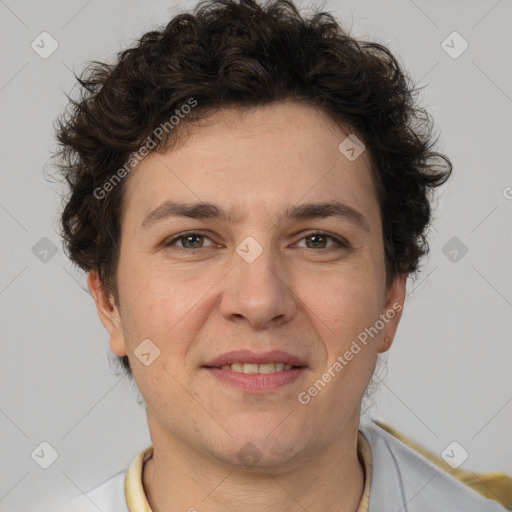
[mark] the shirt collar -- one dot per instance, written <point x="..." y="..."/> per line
<point x="137" y="501"/>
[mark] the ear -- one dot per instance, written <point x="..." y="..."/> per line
<point x="108" y="313"/>
<point x="392" y="312"/>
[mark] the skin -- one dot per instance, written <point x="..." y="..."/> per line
<point x="307" y="299"/>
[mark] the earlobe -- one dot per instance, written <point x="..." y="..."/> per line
<point x="392" y="313"/>
<point x="386" y="344"/>
<point x="108" y="313"/>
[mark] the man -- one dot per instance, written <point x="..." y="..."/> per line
<point x="249" y="193"/>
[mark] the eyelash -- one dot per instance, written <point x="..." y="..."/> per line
<point x="340" y="243"/>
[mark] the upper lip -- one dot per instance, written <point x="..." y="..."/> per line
<point x="248" y="356"/>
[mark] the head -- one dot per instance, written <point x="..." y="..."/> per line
<point x="242" y="128"/>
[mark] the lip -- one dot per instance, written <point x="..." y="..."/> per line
<point x="249" y="356"/>
<point x="257" y="382"/>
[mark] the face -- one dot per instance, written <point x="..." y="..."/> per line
<point x="262" y="273"/>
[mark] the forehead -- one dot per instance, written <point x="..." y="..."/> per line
<point x="266" y="158"/>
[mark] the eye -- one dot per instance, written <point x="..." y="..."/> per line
<point x="194" y="241"/>
<point x="190" y="242"/>
<point x="318" y="240"/>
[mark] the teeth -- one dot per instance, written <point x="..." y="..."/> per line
<point x="250" y="368"/>
<point x="266" y="368"/>
<point x="256" y="368"/>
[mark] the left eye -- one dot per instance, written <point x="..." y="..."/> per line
<point x="192" y="241"/>
<point x="186" y="238"/>
<point x="320" y="239"/>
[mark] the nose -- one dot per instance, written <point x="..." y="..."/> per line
<point x="258" y="291"/>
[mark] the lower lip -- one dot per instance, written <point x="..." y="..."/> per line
<point x="257" y="382"/>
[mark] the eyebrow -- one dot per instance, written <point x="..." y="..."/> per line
<point x="299" y="212"/>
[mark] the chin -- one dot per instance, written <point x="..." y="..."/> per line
<point x="258" y="449"/>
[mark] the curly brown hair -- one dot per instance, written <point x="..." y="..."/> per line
<point x="230" y="53"/>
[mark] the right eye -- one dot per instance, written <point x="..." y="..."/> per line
<point x="186" y="239"/>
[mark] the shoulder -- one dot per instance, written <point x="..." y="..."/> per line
<point x="109" y="496"/>
<point x="402" y="479"/>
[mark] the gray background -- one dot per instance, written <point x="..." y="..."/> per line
<point x="448" y="375"/>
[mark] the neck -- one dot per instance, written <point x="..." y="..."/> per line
<point x="180" y="478"/>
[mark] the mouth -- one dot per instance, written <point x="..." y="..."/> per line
<point x="256" y="372"/>
<point x="249" y="361"/>
<point x="251" y="368"/>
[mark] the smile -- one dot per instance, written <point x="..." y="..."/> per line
<point x="256" y="368"/>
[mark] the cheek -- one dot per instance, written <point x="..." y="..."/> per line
<point x="148" y="305"/>
<point x="343" y="306"/>
<point x="168" y="307"/>
<point x="344" y="301"/>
